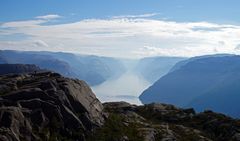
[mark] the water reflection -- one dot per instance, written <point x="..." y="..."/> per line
<point x="125" y="88"/>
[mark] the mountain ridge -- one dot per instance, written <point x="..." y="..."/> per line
<point x="196" y="78"/>
<point x="93" y="69"/>
<point x="18" y="68"/>
<point x="153" y="68"/>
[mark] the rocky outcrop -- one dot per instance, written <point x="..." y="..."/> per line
<point x="162" y="122"/>
<point x="47" y="106"/>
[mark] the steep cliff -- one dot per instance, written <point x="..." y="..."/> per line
<point x="47" y="106"/>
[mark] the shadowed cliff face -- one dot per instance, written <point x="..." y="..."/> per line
<point x="46" y="106"/>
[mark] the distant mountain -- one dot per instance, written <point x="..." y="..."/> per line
<point x="2" y="61"/>
<point x="184" y="62"/>
<point x="208" y="82"/>
<point x="93" y="69"/>
<point x="153" y="68"/>
<point x="17" y="68"/>
<point x="41" y="60"/>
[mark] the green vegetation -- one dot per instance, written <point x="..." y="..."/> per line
<point x="185" y="134"/>
<point x="2" y="93"/>
<point x="115" y="130"/>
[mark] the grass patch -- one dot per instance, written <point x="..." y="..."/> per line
<point x="115" y="129"/>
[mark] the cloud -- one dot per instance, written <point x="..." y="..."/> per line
<point x="125" y="37"/>
<point x="30" y="23"/>
<point x="20" y="24"/>
<point x="136" y="16"/>
<point x="237" y="47"/>
<point x="48" y="17"/>
<point x="40" y="43"/>
<point x="183" y="52"/>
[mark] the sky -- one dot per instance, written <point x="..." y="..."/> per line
<point x="121" y="28"/>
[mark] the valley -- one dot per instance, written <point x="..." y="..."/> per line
<point x="119" y="70"/>
<point x="125" y="88"/>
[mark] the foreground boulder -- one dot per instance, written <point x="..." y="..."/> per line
<point x="46" y="106"/>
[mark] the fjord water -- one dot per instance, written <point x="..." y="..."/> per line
<point x="127" y="87"/>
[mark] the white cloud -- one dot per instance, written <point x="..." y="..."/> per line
<point x="126" y="37"/>
<point x="237" y="47"/>
<point x="30" y="23"/>
<point x="40" y="43"/>
<point x="136" y="16"/>
<point x="48" y="17"/>
<point x="19" y="24"/>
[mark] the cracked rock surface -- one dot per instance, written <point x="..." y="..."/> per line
<point x="47" y="106"/>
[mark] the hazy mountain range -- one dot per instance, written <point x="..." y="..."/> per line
<point x="204" y="82"/>
<point x="207" y="82"/>
<point x="18" y="69"/>
<point x="152" y="68"/>
<point x="93" y="69"/>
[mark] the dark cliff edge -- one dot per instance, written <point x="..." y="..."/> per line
<point x="45" y="106"/>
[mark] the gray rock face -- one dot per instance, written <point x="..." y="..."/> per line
<point x="47" y="106"/>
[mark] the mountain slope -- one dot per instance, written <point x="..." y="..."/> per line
<point x="93" y="69"/>
<point x="222" y="98"/>
<point x="153" y="68"/>
<point x="2" y="61"/>
<point x="17" y="68"/>
<point x="87" y="64"/>
<point x="41" y="60"/>
<point x="204" y="83"/>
